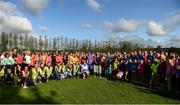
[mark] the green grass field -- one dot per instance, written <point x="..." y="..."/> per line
<point x="88" y="91"/>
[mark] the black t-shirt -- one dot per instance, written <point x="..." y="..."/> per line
<point x="53" y="60"/>
<point x="14" y="55"/>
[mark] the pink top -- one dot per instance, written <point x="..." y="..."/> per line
<point x="49" y="60"/>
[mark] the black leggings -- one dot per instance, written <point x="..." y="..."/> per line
<point x="178" y="83"/>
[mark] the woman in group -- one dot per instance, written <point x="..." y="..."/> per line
<point x="141" y="70"/>
<point x="25" y="75"/>
<point x="170" y="72"/>
<point x="177" y="67"/>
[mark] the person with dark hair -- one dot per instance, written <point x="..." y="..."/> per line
<point x="90" y="61"/>
<point x="154" y="68"/>
<point x="131" y="67"/>
<point x="177" y="67"/>
<point x="140" y="71"/>
<point x="170" y="72"/>
<point x="48" y="71"/>
<point x="162" y="72"/>
<point x="147" y="72"/>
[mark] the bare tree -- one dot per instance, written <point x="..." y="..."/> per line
<point x="4" y="41"/>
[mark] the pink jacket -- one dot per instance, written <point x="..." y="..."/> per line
<point x="49" y="60"/>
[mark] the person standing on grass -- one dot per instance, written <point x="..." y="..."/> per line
<point x="25" y="74"/>
<point x="115" y="66"/>
<point x="27" y="58"/>
<point x="108" y="70"/>
<point x="162" y="72"/>
<point x="140" y="57"/>
<point x="177" y="67"/>
<point x="14" y="56"/>
<point x="19" y="63"/>
<point x="97" y="64"/>
<point x="90" y="61"/>
<point x="131" y="66"/>
<point x="170" y="72"/>
<point x="147" y="72"/>
<point x="154" y="68"/>
<point x="53" y="60"/>
<point x="151" y="57"/>
<point x="140" y="71"/>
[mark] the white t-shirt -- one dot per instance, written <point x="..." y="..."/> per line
<point x="27" y="59"/>
<point x="84" y="67"/>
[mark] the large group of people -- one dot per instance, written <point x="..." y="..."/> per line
<point x="156" y="70"/>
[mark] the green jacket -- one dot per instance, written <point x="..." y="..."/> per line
<point x="154" y="68"/>
<point x="7" y="61"/>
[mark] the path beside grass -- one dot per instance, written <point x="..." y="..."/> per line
<point x="89" y="91"/>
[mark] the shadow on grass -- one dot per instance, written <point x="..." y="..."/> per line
<point x="144" y="88"/>
<point x="11" y="95"/>
<point x="163" y="93"/>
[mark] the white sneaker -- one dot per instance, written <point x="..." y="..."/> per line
<point x="25" y="87"/>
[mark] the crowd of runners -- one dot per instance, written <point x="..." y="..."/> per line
<point x="156" y="70"/>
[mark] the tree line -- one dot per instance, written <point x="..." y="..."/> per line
<point x="28" y="41"/>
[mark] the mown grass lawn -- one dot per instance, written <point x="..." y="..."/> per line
<point x="88" y="91"/>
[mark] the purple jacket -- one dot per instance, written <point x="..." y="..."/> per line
<point x="90" y="59"/>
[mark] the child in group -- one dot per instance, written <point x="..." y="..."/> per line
<point x="64" y="71"/>
<point x="154" y="68"/>
<point x="25" y="74"/>
<point x="57" y="72"/>
<point x="84" y="70"/>
<point x="115" y="66"/>
<point x="108" y="70"/>
<point x="34" y="74"/>
<point x="69" y="71"/>
<point x="42" y="77"/>
<point x="119" y="75"/>
<point x="48" y="72"/>
<point x="75" y="68"/>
